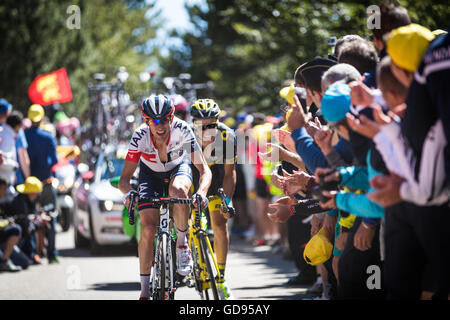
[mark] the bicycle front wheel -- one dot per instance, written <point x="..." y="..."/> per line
<point x="197" y="270"/>
<point x="161" y="266"/>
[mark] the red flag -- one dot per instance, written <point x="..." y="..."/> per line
<point x="50" y="88"/>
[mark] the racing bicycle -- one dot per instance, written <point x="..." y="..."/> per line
<point x="163" y="279"/>
<point x="205" y="276"/>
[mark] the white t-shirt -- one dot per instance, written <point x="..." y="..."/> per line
<point x="180" y="144"/>
<point x="8" y="149"/>
<point x="427" y="187"/>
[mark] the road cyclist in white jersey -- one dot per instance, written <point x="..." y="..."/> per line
<point x="163" y="147"/>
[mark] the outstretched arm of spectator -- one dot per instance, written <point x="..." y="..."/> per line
<point x="281" y="210"/>
<point x="298" y="181"/>
<point x="354" y="177"/>
<point x="358" y="205"/>
<point x="278" y="153"/>
<point x="24" y="161"/>
<point x="312" y="155"/>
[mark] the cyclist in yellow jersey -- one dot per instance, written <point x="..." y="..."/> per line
<point x="218" y="144"/>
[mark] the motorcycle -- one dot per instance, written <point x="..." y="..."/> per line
<point x="65" y="174"/>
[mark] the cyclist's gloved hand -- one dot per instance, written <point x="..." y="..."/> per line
<point x="227" y="200"/>
<point x="228" y="211"/>
<point x="127" y="196"/>
<point x="205" y="200"/>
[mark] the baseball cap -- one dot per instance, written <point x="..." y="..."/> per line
<point x="5" y="106"/>
<point x="318" y="250"/>
<point x="36" y="113"/>
<point x="336" y="102"/>
<point x="406" y="45"/>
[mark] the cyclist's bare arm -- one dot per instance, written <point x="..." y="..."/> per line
<point x="229" y="179"/>
<point x="127" y="173"/>
<point x="203" y="169"/>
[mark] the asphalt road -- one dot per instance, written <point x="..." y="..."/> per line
<point x="252" y="273"/>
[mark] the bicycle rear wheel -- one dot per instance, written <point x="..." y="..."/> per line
<point x="207" y="259"/>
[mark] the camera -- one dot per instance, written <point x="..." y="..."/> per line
<point x="332" y="41"/>
<point x="307" y="207"/>
<point x="324" y="186"/>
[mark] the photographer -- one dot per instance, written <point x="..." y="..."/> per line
<point x="21" y="208"/>
<point x="42" y="153"/>
<point x="9" y="235"/>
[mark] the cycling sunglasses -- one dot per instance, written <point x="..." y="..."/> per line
<point x="206" y="126"/>
<point x="158" y="121"/>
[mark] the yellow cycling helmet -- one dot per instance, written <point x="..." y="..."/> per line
<point x="204" y="109"/>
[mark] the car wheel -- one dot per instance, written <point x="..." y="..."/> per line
<point x="65" y="219"/>
<point x="80" y="240"/>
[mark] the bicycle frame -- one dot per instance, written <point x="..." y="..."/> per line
<point x="197" y="230"/>
<point x="164" y="240"/>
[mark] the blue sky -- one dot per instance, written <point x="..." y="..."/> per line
<point x="175" y="14"/>
<point x="175" y="17"/>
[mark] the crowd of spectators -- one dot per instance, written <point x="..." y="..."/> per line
<point x="28" y="207"/>
<point x="360" y="154"/>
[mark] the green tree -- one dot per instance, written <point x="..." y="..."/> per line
<point x="248" y="48"/>
<point x="36" y="40"/>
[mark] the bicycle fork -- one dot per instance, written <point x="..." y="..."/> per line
<point x="164" y="232"/>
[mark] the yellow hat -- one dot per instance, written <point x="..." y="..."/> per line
<point x="68" y="151"/>
<point x="286" y="127"/>
<point x="31" y="185"/>
<point x="438" y="32"/>
<point x="36" y="113"/>
<point x="263" y="131"/>
<point x="288" y="94"/>
<point x="406" y="45"/>
<point x="318" y="249"/>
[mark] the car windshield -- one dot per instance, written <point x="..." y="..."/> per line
<point x="111" y="168"/>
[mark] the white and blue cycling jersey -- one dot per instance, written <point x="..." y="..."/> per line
<point x="180" y="144"/>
